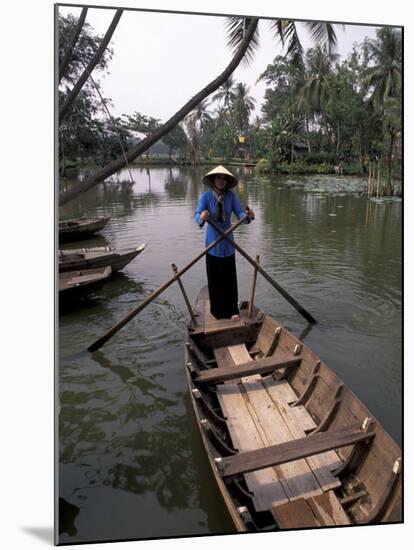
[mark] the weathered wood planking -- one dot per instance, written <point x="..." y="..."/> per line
<point x="321" y="510"/>
<point x="267" y="488"/>
<point x="266" y="335"/>
<point x="236" y="335"/>
<point x="295" y="514"/>
<point x="297" y="420"/>
<point x="373" y="469"/>
<point x="383" y="451"/>
<point x="223" y="357"/>
<point x="296" y="477"/>
<point x="264" y="485"/>
<point x="212" y="325"/>
<point x="249" y="368"/>
<point x="293" y="478"/>
<point x="328" y="508"/>
<point x="239" y="354"/>
<point x="292" y="450"/>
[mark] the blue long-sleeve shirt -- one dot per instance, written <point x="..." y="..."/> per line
<point x="208" y="201"/>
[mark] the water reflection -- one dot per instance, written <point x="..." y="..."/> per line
<point x="67" y="516"/>
<point x="130" y="450"/>
<point x="128" y="435"/>
<point x="119" y="286"/>
<point x="93" y="241"/>
<point x="306" y="331"/>
<point x="176" y="184"/>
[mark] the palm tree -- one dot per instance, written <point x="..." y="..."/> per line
<point x="320" y="63"/>
<point x="201" y="114"/>
<point x="257" y="123"/>
<point x="225" y="93"/>
<point x="220" y="115"/>
<point x="255" y="126"/>
<point x="313" y="96"/>
<point x="385" y="76"/>
<point x="243" y="38"/>
<point x="242" y="106"/>
<point x="195" y="123"/>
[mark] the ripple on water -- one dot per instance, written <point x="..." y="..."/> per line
<point x="128" y="445"/>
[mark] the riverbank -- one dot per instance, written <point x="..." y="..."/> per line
<point x="347" y="178"/>
<point x="351" y="180"/>
<point x="172" y="161"/>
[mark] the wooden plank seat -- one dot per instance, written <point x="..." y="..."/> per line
<point x="213" y="329"/>
<point x="250" y="461"/>
<point x="250" y="428"/>
<point x="261" y="366"/>
<point x="299" y="423"/>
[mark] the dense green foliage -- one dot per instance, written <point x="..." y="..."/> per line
<point x="319" y="113"/>
<point x="328" y="113"/>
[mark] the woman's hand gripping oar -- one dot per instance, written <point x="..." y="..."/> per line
<point x="101" y="341"/>
<point x="283" y="292"/>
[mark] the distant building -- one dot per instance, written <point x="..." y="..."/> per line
<point x="300" y="148"/>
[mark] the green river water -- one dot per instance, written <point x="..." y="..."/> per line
<point x="131" y="460"/>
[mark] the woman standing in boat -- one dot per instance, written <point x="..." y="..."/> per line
<point x="219" y="203"/>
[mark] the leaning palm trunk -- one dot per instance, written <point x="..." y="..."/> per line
<point x="64" y="108"/>
<point x="144" y="145"/>
<point x="68" y="54"/>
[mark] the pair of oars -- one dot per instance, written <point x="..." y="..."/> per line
<point x="223" y="235"/>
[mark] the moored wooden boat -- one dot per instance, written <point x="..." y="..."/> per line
<point x="289" y="444"/>
<point x="70" y="230"/>
<point x="75" y="283"/>
<point x="96" y="257"/>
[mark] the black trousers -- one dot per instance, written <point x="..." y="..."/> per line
<point x="222" y="286"/>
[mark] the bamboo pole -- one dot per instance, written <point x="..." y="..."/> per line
<point x="101" y="341"/>
<point x="111" y="118"/>
<point x="268" y="278"/>
<point x="251" y="301"/>
<point x="369" y="179"/>
<point x="186" y="300"/>
<point x="367" y="213"/>
<point x="378" y="179"/>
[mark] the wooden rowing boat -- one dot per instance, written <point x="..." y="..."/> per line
<point x="80" y="228"/>
<point x="96" y="257"/>
<point x="74" y="283"/>
<point x="289" y="444"/>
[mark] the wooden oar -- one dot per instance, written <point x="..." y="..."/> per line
<point x="268" y="278"/>
<point x="101" y="341"/>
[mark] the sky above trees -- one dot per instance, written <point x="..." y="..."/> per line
<point x="161" y="60"/>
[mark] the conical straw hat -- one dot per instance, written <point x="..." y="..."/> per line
<point x="209" y="178"/>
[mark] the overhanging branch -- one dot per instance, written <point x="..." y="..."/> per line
<point x="146" y="143"/>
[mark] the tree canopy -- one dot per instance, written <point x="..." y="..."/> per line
<point x="317" y="109"/>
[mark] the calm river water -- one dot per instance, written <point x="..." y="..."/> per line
<point x="131" y="461"/>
